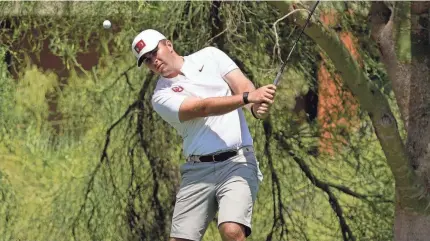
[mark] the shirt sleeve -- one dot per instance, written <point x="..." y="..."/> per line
<point x="167" y="105"/>
<point x="225" y="63"/>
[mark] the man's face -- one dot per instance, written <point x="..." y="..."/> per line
<point x="160" y="59"/>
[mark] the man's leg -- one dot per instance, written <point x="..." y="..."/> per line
<point x="179" y="239"/>
<point x="195" y="203"/>
<point x="232" y="231"/>
<point x="236" y="194"/>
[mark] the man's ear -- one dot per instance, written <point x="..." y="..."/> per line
<point x="169" y="45"/>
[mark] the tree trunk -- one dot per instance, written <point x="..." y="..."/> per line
<point x="404" y="45"/>
<point x="401" y="29"/>
<point x="410" y="226"/>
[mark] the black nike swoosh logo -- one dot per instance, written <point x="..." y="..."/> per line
<point x="200" y="70"/>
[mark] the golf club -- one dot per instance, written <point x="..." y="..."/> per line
<point x="284" y="64"/>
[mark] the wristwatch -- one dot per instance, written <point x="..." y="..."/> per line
<point x="245" y="97"/>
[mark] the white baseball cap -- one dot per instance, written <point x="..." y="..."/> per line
<point x="144" y="42"/>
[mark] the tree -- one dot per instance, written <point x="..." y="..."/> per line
<point x="401" y="31"/>
<point x="113" y="174"/>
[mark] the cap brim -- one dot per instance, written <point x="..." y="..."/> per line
<point x="140" y="61"/>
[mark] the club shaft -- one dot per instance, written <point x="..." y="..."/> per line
<point x="284" y="64"/>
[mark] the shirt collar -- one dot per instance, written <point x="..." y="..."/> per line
<point x="190" y="68"/>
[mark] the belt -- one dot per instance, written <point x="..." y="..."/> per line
<point x="222" y="156"/>
<point x="218" y="157"/>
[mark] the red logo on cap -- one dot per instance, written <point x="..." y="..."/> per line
<point x="139" y="46"/>
<point x="178" y="88"/>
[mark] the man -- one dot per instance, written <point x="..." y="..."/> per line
<point x="201" y="96"/>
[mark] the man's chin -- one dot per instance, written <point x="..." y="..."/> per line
<point x="168" y="74"/>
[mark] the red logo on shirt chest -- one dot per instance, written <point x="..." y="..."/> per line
<point x="178" y="88"/>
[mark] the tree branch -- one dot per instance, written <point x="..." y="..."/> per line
<point x="411" y="189"/>
<point x="334" y="203"/>
<point x="277" y="48"/>
<point x="104" y="158"/>
<point x="276" y="187"/>
<point x="324" y="186"/>
<point x="382" y="29"/>
<point x="348" y="191"/>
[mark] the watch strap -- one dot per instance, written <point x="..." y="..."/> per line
<point x="245" y="97"/>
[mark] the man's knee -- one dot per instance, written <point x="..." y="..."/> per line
<point x="232" y="231"/>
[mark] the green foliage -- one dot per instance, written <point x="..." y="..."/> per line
<point x="403" y="32"/>
<point x="110" y="169"/>
<point x="6" y="93"/>
<point x="30" y="97"/>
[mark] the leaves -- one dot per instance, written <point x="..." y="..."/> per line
<point x="110" y="170"/>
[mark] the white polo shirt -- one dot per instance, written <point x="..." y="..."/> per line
<point x="204" y="72"/>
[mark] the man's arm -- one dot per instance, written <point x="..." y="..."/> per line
<point x="193" y="107"/>
<point x="239" y="83"/>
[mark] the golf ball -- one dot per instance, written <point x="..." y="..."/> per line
<point x="106" y="24"/>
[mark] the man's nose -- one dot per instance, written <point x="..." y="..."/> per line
<point x="154" y="60"/>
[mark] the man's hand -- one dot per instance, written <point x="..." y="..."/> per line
<point x="264" y="94"/>
<point x="262" y="98"/>
<point x="261" y="110"/>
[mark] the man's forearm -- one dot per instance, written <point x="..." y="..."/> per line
<point x="249" y="88"/>
<point x="221" y="105"/>
<point x="194" y="107"/>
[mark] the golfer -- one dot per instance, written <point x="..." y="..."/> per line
<point x="202" y="95"/>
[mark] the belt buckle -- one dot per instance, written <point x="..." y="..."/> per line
<point x="194" y="159"/>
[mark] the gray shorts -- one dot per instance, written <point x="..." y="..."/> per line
<point x="230" y="187"/>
